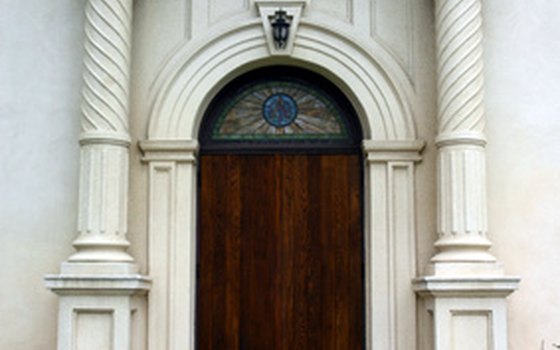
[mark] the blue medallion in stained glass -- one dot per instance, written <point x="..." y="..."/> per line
<point x="279" y="110"/>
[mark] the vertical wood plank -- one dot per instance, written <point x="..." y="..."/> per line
<point x="280" y="252"/>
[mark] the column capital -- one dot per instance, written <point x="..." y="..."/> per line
<point x="392" y="150"/>
<point x="185" y="150"/>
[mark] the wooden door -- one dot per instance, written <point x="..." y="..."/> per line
<point x="280" y="253"/>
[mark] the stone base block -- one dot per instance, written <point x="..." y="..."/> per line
<point x="100" y="311"/>
<point x="467" y="313"/>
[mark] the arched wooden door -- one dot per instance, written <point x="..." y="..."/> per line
<point x="280" y="262"/>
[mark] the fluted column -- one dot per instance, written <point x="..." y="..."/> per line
<point x="465" y="288"/>
<point x="102" y="219"/>
<point x="100" y="290"/>
<point x="462" y="226"/>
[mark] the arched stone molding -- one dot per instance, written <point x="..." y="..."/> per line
<point x="383" y="98"/>
<point x="374" y="82"/>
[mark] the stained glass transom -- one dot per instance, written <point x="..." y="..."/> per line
<point x="279" y="110"/>
<point x="280" y="106"/>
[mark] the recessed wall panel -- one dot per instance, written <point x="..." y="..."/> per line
<point x="470" y="331"/>
<point x="94" y="330"/>
<point x="393" y="23"/>
<point x="339" y="9"/>
<point x="162" y="24"/>
<point x="219" y="10"/>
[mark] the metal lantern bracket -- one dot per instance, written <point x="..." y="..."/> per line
<point x="280" y="21"/>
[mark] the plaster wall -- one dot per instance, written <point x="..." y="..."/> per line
<point x="523" y="127"/>
<point x="40" y="81"/>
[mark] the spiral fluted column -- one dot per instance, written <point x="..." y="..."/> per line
<point x="102" y="219"/>
<point x="462" y="226"/>
<point x="100" y="290"/>
<point x="460" y="66"/>
<point x="465" y="288"/>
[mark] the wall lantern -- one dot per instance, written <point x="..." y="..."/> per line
<point x="280" y="29"/>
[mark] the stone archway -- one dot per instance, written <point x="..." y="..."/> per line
<point x="380" y="94"/>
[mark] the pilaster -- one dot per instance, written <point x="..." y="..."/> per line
<point x="172" y="242"/>
<point x="389" y="243"/>
<point x="99" y="287"/>
<point x="464" y="287"/>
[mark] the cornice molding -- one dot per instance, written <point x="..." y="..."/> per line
<point x="384" y="151"/>
<point x="169" y="150"/>
<point x="466" y="287"/>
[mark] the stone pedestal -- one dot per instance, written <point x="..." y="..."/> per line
<point x="468" y="313"/>
<point x="99" y="311"/>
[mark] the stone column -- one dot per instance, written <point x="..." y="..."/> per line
<point x="465" y="287"/>
<point x="99" y="284"/>
<point x="462" y="227"/>
<point x="102" y="219"/>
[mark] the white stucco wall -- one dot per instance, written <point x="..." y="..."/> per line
<point x="40" y="82"/>
<point x="523" y="113"/>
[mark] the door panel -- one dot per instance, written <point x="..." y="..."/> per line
<point x="280" y="252"/>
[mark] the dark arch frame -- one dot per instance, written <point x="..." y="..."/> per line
<point x="271" y="74"/>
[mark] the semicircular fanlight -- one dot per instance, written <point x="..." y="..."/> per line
<point x="280" y="109"/>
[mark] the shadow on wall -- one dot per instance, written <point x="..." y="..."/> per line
<point x="553" y="345"/>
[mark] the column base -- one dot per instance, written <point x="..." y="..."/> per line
<point x="99" y="305"/>
<point x="100" y="248"/>
<point x="446" y="269"/>
<point x="466" y="305"/>
<point x="465" y="249"/>
<point x="70" y="268"/>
